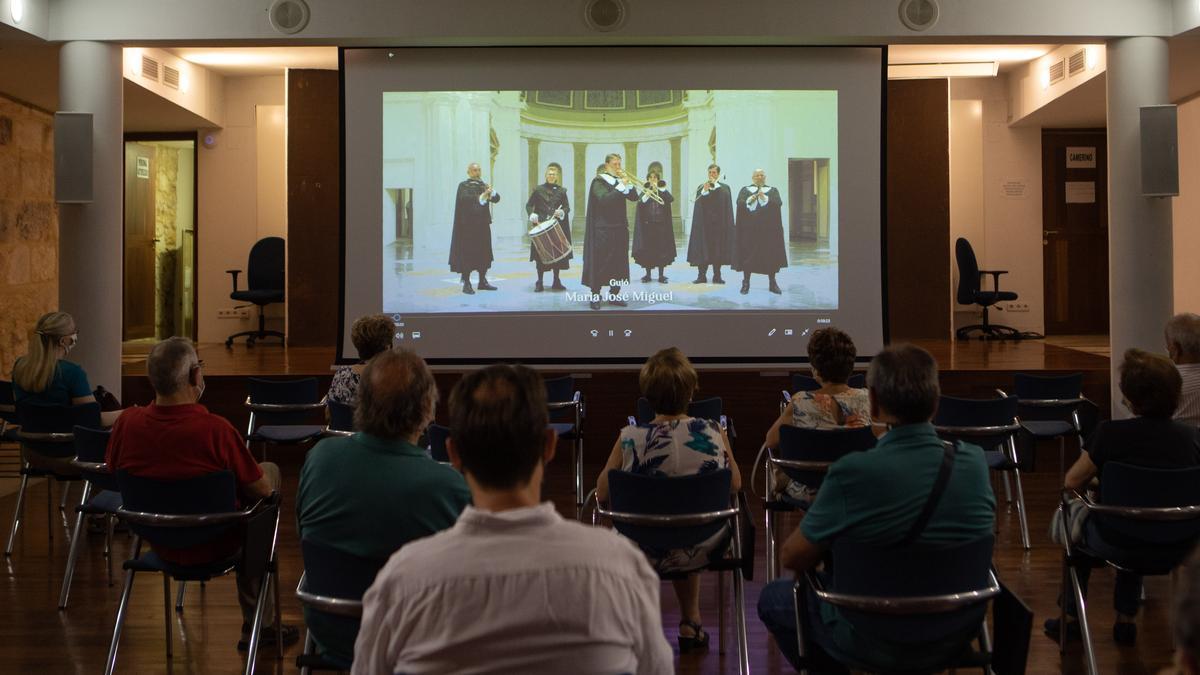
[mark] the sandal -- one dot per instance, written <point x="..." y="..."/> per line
<point x="694" y="642"/>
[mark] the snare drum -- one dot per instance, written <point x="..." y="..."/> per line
<point x="550" y="241"/>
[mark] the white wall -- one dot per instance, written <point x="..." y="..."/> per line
<point x="234" y="209"/>
<point x="1186" y="216"/>
<point x="1011" y="234"/>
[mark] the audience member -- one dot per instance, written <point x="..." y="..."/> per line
<point x="513" y="587"/>
<point x="369" y="494"/>
<point x="1150" y="387"/>
<point x="176" y="438"/>
<point x="875" y="497"/>
<point x="371" y="335"/>
<point x="44" y="376"/>
<point x="1183" y="345"/>
<point x="834" y="405"/>
<point x="1185" y="612"/>
<point x="673" y="444"/>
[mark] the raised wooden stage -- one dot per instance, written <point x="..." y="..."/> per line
<point x="38" y="637"/>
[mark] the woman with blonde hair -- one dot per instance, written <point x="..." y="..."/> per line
<point x="43" y="376"/>
<point x="674" y="444"/>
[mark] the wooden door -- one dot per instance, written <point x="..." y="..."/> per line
<point x="1075" y="231"/>
<point x="140" y="288"/>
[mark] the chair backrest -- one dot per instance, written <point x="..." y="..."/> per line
<point x="55" y="419"/>
<point x="8" y="406"/>
<point x="90" y="447"/>
<point x="1036" y="392"/>
<point x="978" y="414"/>
<point x="264" y="269"/>
<point x="283" y="392"/>
<point x="820" y="445"/>
<point x="437" y="435"/>
<point x="341" y="416"/>
<point x="1127" y="485"/>
<point x="675" y="495"/>
<point x="968" y="272"/>
<point x="560" y="389"/>
<point x="210" y="493"/>
<point x="912" y="571"/>
<point x="706" y="409"/>
<point x="802" y="382"/>
<point x="337" y="574"/>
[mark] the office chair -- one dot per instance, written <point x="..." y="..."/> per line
<point x="970" y="292"/>
<point x="264" y="277"/>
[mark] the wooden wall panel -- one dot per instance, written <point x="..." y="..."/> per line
<point x="918" y="209"/>
<point x="313" y="177"/>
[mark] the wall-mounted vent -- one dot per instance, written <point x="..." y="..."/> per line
<point x="170" y="77"/>
<point x="149" y="68"/>
<point x="1077" y="63"/>
<point x="1058" y="71"/>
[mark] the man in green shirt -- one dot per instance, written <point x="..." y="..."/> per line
<point x="369" y="494"/>
<point x="875" y="497"/>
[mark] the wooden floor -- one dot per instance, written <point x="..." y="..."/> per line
<point x="36" y="637"/>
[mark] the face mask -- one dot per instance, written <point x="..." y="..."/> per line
<point x="71" y="342"/>
<point x="200" y="394"/>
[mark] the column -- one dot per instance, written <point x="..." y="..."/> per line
<point x="676" y="182"/>
<point x="1140" y="273"/>
<point x="579" y="197"/>
<point x="534" y="179"/>
<point x="91" y="278"/>
<point x="629" y="164"/>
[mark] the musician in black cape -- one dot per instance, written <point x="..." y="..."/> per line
<point x="711" y="240"/>
<point x="758" y="242"/>
<point x="606" y="233"/>
<point x="471" y="238"/>
<point x="653" y="235"/>
<point x="549" y="200"/>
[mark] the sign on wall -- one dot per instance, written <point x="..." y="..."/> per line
<point x="1081" y="158"/>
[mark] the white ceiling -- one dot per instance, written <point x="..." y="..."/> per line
<point x="244" y="61"/>
<point x="1007" y="56"/>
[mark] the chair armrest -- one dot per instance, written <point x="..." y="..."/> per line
<point x="94" y="467"/>
<point x="46" y="436"/>
<point x="668" y="520"/>
<point x="925" y="604"/>
<point x="235" y="274"/>
<point x="328" y="604"/>
<point x="995" y="277"/>
<point x="284" y="407"/>
<point x="589" y="499"/>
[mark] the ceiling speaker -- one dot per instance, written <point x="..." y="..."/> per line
<point x="919" y="14"/>
<point x="605" y="15"/>
<point x="288" y="16"/>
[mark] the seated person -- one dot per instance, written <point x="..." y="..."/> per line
<point x="1183" y="346"/>
<point x="371" y="334"/>
<point x="44" y="376"/>
<point x="835" y="405"/>
<point x="875" y="497"/>
<point x="176" y="438"/>
<point x="513" y="587"/>
<point x="673" y="444"/>
<point x="371" y="493"/>
<point x="1150" y="387"/>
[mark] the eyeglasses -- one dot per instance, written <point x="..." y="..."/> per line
<point x="199" y="363"/>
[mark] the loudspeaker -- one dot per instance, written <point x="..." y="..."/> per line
<point x="919" y="14"/>
<point x="1160" y="151"/>
<point x="72" y="157"/>
<point x="605" y="15"/>
<point x="288" y="16"/>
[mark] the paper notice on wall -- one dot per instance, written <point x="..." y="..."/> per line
<point x="1081" y="192"/>
<point x="1014" y="188"/>
<point x="1081" y="158"/>
<point x="143" y="167"/>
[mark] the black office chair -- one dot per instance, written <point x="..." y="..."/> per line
<point x="264" y="277"/>
<point x="332" y="586"/>
<point x="101" y="497"/>
<point x="970" y="292"/>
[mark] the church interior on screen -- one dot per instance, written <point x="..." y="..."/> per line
<point x="585" y="200"/>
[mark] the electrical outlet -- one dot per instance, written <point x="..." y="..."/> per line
<point x="1016" y="306"/>
<point x="233" y="313"/>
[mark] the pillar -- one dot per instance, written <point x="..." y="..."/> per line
<point x="91" y="278"/>
<point x="583" y="177"/>
<point x="676" y="183"/>
<point x="1140" y="272"/>
<point x="535" y="178"/>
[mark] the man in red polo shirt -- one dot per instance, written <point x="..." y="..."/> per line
<point x="176" y="438"/>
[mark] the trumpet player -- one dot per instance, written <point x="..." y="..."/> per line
<point x="549" y="200"/>
<point x="758" y="244"/>
<point x="711" y="240"/>
<point x="471" y="237"/>
<point x="653" y="236"/>
<point x="606" y="233"/>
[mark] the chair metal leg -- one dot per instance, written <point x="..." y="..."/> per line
<point x="111" y="664"/>
<point x="50" y="509"/>
<point x="721" y="612"/>
<point x="179" y="596"/>
<point x="1081" y="610"/>
<point x="769" y="528"/>
<point x="309" y="648"/>
<point x="256" y="627"/>
<point x="578" y="448"/>
<point x="1007" y="489"/>
<point x="798" y="607"/>
<point x="739" y="619"/>
<point x="985" y="644"/>
<point x="1021" y="509"/>
<point x="108" y="553"/>
<point x="73" y="555"/>
<point x="16" y="521"/>
<point x="62" y="501"/>
<point x="278" y="612"/>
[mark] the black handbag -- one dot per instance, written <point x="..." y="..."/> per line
<point x="107" y="401"/>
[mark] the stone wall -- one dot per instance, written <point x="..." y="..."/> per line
<point x="28" y="225"/>
<point x="166" y="248"/>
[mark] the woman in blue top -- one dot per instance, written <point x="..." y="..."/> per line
<point x="45" y="377"/>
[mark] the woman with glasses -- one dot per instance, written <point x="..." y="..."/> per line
<point x="44" y="376"/>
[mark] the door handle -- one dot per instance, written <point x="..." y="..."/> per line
<point x="1047" y="233"/>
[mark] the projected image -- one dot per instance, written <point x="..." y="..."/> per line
<point x="601" y="200"/>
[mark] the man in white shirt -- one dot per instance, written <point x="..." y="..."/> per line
<point x="1183" y="346"/>
<point x="512" y="587"/>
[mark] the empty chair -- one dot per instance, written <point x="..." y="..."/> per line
<point x="1048" y="406"/>
<point x="265" y="285"/>
<point x="280" y="411"/>
<point x="566" y="418"/>
<point x="331" y="591"/>
<point x="970" y="292"/>
<point x="341" y="419"/>
<point x="193" y="512"/>
<point x="991" y="424"/>
<point x="101" y="497"/>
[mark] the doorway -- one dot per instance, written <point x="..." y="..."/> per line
<point x="808" y="209"/>
<point x="159" y="297"/>
<point x="1075" y="231"/>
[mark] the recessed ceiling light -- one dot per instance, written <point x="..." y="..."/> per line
<point x="17" y="8"/>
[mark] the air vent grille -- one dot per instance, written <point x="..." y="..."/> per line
<point x="170" y="77"/>
<point x="1058" y="71"/>
<point x="1077" y="62"/>
<point x="149" y="68"/>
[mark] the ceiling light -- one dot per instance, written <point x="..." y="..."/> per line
<point x="1045" y="77"/>
<point x="17" y="9"/>
<point x="185" y="82"/>
<point x="230" y="57"/>
<point x="926" y="71"/>
<point x="1091" y="56"/>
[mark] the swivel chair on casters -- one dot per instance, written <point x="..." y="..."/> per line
<point x="970" y="292"/>
<point x="264" y="277"/>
